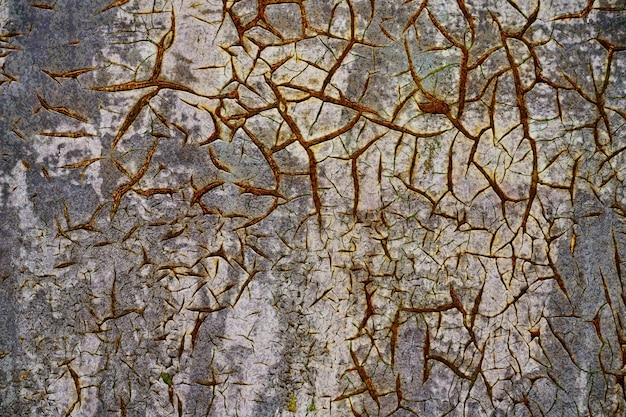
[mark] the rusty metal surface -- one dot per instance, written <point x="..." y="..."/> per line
<point x="312" y="208"/>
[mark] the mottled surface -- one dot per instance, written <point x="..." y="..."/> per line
<point x="312" y="208"/>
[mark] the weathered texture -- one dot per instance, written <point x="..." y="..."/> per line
<point x="312" y="208"/>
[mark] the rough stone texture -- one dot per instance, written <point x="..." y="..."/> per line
<point x="312" y="208"/>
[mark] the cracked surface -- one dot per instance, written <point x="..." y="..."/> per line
<point x="312" y="208"/>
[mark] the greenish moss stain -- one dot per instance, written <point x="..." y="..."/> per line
<point x="292" y="406"/>
<point x="432" y="147"/>
<point x="167" y="379"/>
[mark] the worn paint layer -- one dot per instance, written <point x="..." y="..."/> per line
<point x="312" y="208"/>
